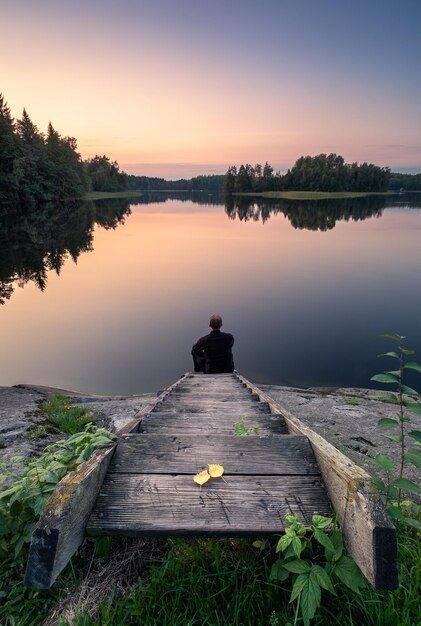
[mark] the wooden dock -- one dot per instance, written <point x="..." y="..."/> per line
<point x="144" y="486"/>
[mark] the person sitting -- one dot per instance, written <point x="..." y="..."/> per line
<point x="212" y="354"/>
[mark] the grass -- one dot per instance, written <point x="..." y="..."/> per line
<point x="103" y="195"/>
<point x="315" y="195"/>
<point x="208" y="582"/>
<point x="64" y="416"/>
<point x="353" y="402"/>
<point x="40" y="432"/>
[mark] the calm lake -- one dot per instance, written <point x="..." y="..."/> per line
<point x="306" y="288"/>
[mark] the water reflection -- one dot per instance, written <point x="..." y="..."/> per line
<point x="306" y="307"/>
<point x="34" y="242"/>
<point x="306" y="214"/>
<point x="198" y="197"/>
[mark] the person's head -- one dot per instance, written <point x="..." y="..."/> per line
<point x="215" y="321"/>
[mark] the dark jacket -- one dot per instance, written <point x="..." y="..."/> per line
<point x="217" y="350"/>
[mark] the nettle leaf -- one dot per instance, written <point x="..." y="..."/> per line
<point x="387" y="396"/>
<point x="384" y="461"/>
<point x="384" y="378"/>
<point x="298" y="566"/>
<point x="298" y="585"/>
<point x="379" y="483"/>
<point x="396" y="513"/>
<point x="323" y="539"/>
<point x="283" y="543"/>
<point x="415" y="434"/>
<point x="415" y="408"/>
<point x="392" y="354"/>
<point x="311" y="596"/>
<point x="319" y="521"/>
<point x="407" y="485"/>
<point x="16" y="508"/>
<point x="411" y="365"/>
<point x="393" y="336"/>
<point x="278" y="572"/>
<point x="409" y="390"/>
<point x="387" y="422"/>
<point x="396" y="373"/>
<point x="395" y="438"/>
<point x="406" y="351"/>
<point x="297" y="545"/>
<point x="323" y="578"/>
<point x="414" y="457"/>
<point x="347" y="571"/>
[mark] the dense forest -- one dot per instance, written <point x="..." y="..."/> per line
<point x="324" y="172"/>
<point x="212" y="183"/>
<point x="37" y="167"/>
<point x="407" y="182"/>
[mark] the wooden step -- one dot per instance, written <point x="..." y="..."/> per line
<point x="174" y="505"/>
<point x="190" y="423"/>
<point x="211" y="406"/>
<point x="219" y="394"/>
<point x="144" y="453"/>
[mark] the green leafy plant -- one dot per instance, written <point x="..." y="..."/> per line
<point x="393" y="488"/>
<point x="313" y="556"/>
<point x="28" y="489"/>
<point x="241" y="430"/>
<point x="70" y="419"/>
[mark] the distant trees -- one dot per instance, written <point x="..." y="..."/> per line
<point x="324" y="172"/>
<point x="408" y="182"/>
<point x="105" y="175"/>
<point x="211" y="183"/>
<point x="249" y="178"/>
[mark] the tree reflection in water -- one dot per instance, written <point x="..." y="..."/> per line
<point x="33" y="242"/>
<point x="306" y="214"/>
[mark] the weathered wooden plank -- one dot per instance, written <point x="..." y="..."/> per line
<point x="369" y="534"/>
<point x="187" y="454"/>
<point x="218" y="395"/>
<point x="198" y="431"/>
<point x="61" y="527"/>
<point x="170" y="423"/>
<point x="175" y="505"/>
<point x="197" y="406"/>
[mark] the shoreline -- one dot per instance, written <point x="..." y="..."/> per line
<point x="346" y="417"/>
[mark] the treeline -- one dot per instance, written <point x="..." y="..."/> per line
<point x="37" y="167"/>
<point x="407" y="182"/>
<point x="211" y="183"/>
<point x="324" y="172"/>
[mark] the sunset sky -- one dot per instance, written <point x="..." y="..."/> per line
<point x="180" y="87"/>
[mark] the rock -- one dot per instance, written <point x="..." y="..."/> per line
<point x="19" y="413"/>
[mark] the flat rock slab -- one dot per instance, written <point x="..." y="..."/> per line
<point x="19" y="413"/>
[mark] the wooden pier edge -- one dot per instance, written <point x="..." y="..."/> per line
<point x="61" y="528"/>
<point x="370" y="536"/>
